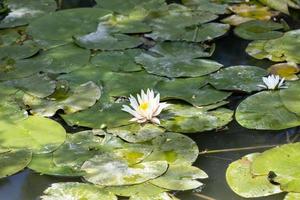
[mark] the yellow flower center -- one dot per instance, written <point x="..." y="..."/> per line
<point x="144" y="106"/>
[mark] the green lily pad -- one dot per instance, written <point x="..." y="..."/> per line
<point x="174" y="148"/>
<point x="75" y="190"/>
<point x="161" y="196"/>
<point x="243" y="183"/>
<point x="259" y="30"/>
<point x="188" y="119"/>
<point x="238" y="78"/>
<point x="265" y="111"/>
<point x="200" y="33"/>
<point x="177" y="60"/>
<point x="14" y="161"/>
<point x="77" y="148"/>
<point x="205" y="5"/>
<point x="118" y="61"/>
<point x="290" y="97"/>
<point x="39" y="134"/>
<point x="191" y="90"/>
<point x="65" y="58"/>
<point x="136" y="133"/>
<point x="10" y="37"/>
<point x="292" y="196"/>
<point x="282" y="6"/>
<point x="82" y="97"/>
<point x="103" y="39"/>
<point x="43" y="164"/>
<point x="38" y="85"/>
<point x="23" y="12"/>
<point x="282" y="163"/>
<point x="27" y="49"/>
<point x="143" y="189"/>
<point x="180" y="177"/>
<point x="288" y="71"/>
<point x="109" y="170"/>
<point x="58" y="28"/>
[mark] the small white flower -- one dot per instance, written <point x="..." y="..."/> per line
<point x="273" y="82"/>
<point x="145" y="108"/>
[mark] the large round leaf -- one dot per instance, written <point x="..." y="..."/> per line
<point x="180" y="177"/>
<point x="292" y="196"/>
<point x="238" y="78"/>
<point x="243" y="183"/>
<point x="288" y="71"/>
<point x="265" y="111"/>
<point x="13" y="161"/>
<point x="290" y="97"/>
<point x="174" y="148"/>
<point x="73" y="190"/>
<point x="161" y="196"/>
<point x="40" y="134"/>
<point x="15" y="51"/>
<point x="109" y="170"/>
<point x="58" y="28"/>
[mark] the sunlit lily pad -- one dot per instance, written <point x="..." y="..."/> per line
<point x="58" y="28"/>
<point x="104" y="39"/>
<point x="39" y="134"/>
<point x="77" y="148"/>
<point x="285" y="70"/>
<point x="292" y="196"/>
<point x="290" y="97"/>
<point x="188" y="119"/>
<point x="109" y="170"/>
<point x="82" y="97"/>
<point x="191" y="90"/>
<point x="119" y="61"/>
<point x="14" y="161"/>
<point x="23" y="12"/>
<point x="243" y="183"/>
<point x="265" y="111"/>
<point x="282" y="6"/>
<point x="43" y="164"/>
<point x="282" y="166"/>
<point x="238" y="78"/>
<point x="259" y="30"/>
<point x="15" y="51"/>
<point x="73" y="190"/>
<point x="161" y="196"/>
<point x="204" y="5"/>
<point x="177" y="60"/>
<point x="137" y="133"/>
<point x="180" y="177"/>
<point x="174" y="148"/>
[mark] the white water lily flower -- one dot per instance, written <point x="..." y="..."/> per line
<point x="146" y="107"/>
<point x="273" y="82"/>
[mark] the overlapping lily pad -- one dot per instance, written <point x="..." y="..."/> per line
<point x="161" y="196"/>
<point x="243" y="183"/>
<point x="15" y="51"/>
<point x="73" y="190"/>
<point x="292" y="196"/>
<point x="13" y="161"/>
<point x="265" y="111"/>
<point x="238" y="78"/>
<point x="290" y="97"/>
<point x="23" y="12"/>
<point x="80" y="98"/>
<point x="109" y="170"/>
<point x="287" y="71"/>
<point x="282" y="6"/>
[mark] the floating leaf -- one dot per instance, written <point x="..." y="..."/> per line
<point x="180" y="177"/>
<point x="43" y="164"/>
<point x="265" y="111"/>
<point x="281" y="6"/>
<point x="118" y="61"/>
<point x="58" y="28"/>
<point x="290" y="97"/>
<point x="13" y="161"/>
<point x="135" y="133"/>
<point x="292" y="196"/>
<point x="287" y="71"/>
<point x="103" y="39"/>
<point x="243" y="183"/>
<point x="27" y="49"/>
<point x="188" y="119"/>
<point x="39" y="134"/>
<point x="23" y="12"/>
<point x="238" y="78"/>
<point x="82" y="97"/>
<point x="161" y="196"/>
<point x="73" y="190"/>
<point x="258" y="30"/>
<point x="174" y="148"/>
<point x="205" y="5"/>
<point x="177" y="60"/>
<point x="108" y="170"/>
<point x="282" y="166"/>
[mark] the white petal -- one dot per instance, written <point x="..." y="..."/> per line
<point x="155" y="120"/>
<point x="131" y="111"/>
<point x="262" y="86"/>
<point x="133" y="102"/>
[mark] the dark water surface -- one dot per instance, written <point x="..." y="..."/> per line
<point x="230" y="50"/>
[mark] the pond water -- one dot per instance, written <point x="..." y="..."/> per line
<point x="230" y="50"/>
